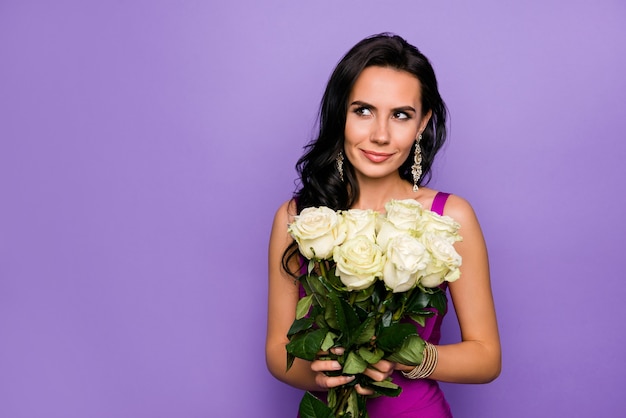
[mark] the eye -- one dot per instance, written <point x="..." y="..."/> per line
<point x="401" y="115"/>
<point x="363" y="111"/>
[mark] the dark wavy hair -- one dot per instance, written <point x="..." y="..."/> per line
<point x="320" y="184"/>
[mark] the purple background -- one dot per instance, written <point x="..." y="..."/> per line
<point x="145" y="145"/>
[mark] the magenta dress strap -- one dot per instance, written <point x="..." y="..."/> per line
<point x="439" y="202"/>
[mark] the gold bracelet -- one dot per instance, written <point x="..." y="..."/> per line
<point x="427" y="366"/>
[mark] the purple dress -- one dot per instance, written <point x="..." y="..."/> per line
<point x="420" y="398"/>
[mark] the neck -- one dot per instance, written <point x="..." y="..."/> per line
<point x="374" y="193"/>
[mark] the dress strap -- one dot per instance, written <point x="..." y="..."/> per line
<point x="439" y="202"/>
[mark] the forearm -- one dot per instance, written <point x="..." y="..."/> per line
<point x="466" y="362"/>
<point x="299" y="375"/>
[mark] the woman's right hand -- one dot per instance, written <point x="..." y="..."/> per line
<point x="323" y="365"/>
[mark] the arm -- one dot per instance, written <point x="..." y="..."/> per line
<point x="477" y="358"/>
<point x="283" y="295"/>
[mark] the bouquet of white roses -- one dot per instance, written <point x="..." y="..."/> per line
<point x="366" y="275"/>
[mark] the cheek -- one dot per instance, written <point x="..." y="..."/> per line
<point x="406" y="138"/>
<point x="405" y="154"/>
<point x="355" y="132"/>
<point x="407" y="146"/>
<point x="351" y="136"/>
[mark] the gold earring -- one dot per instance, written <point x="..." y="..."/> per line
<point x="416" y="168"/>
<point x="339" y="162"/>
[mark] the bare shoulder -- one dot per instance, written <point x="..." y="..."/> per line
<point x="456" y="206"/>
<point x="460" y="210"/>
<point x="285" y="213"/>
<point x="280" y="238"/>
<point x="279" y="243"/>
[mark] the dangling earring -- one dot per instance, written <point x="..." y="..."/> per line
<point x="339" y="162"/>
<point x="416" y="169"/>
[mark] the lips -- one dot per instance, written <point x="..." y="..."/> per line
<point x="377" y="157"/>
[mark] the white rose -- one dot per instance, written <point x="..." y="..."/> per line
<point x="445" y="261"/>
<point x="406" y="258"/>
<point x="434" y="223"/>
<point x="359" y="262"/>
<point x="317" y="231"/>
<point x="404" y="214"/>
<point x="401" y="216"/>
<point x="360" y="222"/>
<point x="387" y="232"/>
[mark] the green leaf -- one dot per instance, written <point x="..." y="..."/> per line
<point x="384" y="384"/>
<point x="304" y="280"/>
<point x="386" y="318"/>
<point x="321" y="321"/>
<point x="303" y="306"/>
<point x="290" y="360"/>
<point x="330" y="315"/>
<point x="331" y="397"/>
<point x="347" y="319"/>
<point x="364" y="295"/>
<point x="380" y="291"/>
<point x="334" y="281"/>
<point x="318" y="284"/>
<point x="387" y="388"/>
<point x="312" y="407"/>
<point x="372" y="357"/>
<point x="353" y="405"/>
<point x="352" y="318"/>
<point x="354" y="364"/>
<point x="306" y="345"/>
<point x="365" y="332"/>
<point x="439" y="302"/>
<point x="410" y="353"/>
<point x="315" y="288"/>
<point x="426" y="313"/>
<point x="340" y="315"/>
<point x="391" y="338"/>
<point x="417" y="301"/>
<point x="395" y="301"/>
<point x="329" y="341"/>
<point x="362" y="310"/>
<point x="420" y="319"/>
<point x="300" y="325"/>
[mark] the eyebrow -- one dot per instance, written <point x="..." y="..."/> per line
<point x="370" y="106"/>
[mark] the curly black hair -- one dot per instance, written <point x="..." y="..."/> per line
<point x="320" y="183"/>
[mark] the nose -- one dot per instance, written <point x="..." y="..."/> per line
<point x="380" y="131"/>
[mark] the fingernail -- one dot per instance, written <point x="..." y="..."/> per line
<point x="336" y="365"/>
<point x="350" y="378"/>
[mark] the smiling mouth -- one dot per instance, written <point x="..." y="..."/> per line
<point x="377" y="157"/>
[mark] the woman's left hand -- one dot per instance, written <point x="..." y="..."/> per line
<point x="377" y="372"/>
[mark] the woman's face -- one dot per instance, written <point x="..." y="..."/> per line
<point x="383" y="121"/>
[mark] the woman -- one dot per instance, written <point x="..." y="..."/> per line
<point x="381" y="123"/>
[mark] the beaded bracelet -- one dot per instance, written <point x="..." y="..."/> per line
<point x="427" y="366"/>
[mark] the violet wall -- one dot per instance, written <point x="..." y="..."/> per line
<point x="145" y="145"/>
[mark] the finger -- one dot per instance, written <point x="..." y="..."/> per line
<point x="325" y="365"/>
<point x="384" y="366"/>
<point x="363" y="391"/>
<point x="326" y="382"/>
<point x="337" y="350"/>
<point x="380" y="371"/>
<point x="376" y="375"/>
